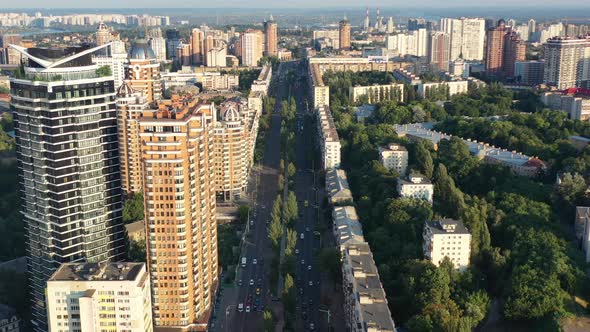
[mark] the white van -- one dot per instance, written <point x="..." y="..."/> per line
<point x="302" y="236"/>
<point x="240" y="307"/>
<point x="244" y="260"/>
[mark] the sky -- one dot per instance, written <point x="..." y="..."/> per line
<point x="43" y="4"/>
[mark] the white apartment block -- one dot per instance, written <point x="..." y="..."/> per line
<point x="262" y="84"/>
<point x="394" y="156"/>
<point x="252" y="47"/>
<point x="567" y="62"/>
<point x="209" y="80"/>
<point x="377" y="93"/>
<point x="454" y="87"/>
<point x="93" y="297"/>
<point x="365" y="302"/>
<point x="467" y="37"/>
<point x="416" y="186"/>
<point x="576" y="107"/>
<point x="328" y="138"/>
<point x="329" y="37"/>
<point x="447" y="238"/>
<point x="319" y="92"/>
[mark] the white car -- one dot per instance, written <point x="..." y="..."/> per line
<point x="240" y="307"/>
<point x="247" y="308"/>
<point x="251" y="282"/>
<point x="309" y="267"/>
<point x="303" y="262"/>
<point x="254" y="261"/>
<point x="310" y="283"/>
<point x="296" y="251"/>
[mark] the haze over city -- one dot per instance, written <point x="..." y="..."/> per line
<point x="251" y="166"/>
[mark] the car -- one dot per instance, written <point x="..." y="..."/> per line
<point x="296" y="251"/>
<point x="309" y="267"/>
<point x="247" y="308"/>
<point x="257" y="301"/>
<point x="254" y="261"/>
<point x="306" y="203"/>
<point x="240" y="282"/>
<point x="311" y="326"/>
<point x="302" y="236"/>
<point x="257" y="291"/>
<point x="310" y="283"/>
<point x="303" y="262"/>
<point x="304" y="315"/>
<point x="240" y="307"/>
<point x="251" y="282"/>
<point x="251" y="222"/>
<point x="261" y="260"/>
<point x="310" y="302"/>
<point x="307" y="229"/>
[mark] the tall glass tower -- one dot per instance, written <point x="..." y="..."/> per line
<point x="67" y="149"/>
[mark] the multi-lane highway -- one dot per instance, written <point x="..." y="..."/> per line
<point x="252" y="282"/>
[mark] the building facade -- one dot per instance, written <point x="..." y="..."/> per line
<point x="328" y="138"/>
<point x="467" y="36"/>
<point x="439" y="51"/>
<point x="252" y="47"/>
<point x="529" y="72"/>
<point x="447" y="238"/>
<point x="143" y="71"/>
<point x="177" y="143"/>
<point x="344" y="34"/>
<point x="92" y="297"/>
<point x="68" y="161"/>
<point x="567" y="62"/>
<point x="504" y="48"/>
<point x="394" y="156"/>
<point x="377" y="93"/>
<point x="271" y="37"/>
<point x="416" y="186"/>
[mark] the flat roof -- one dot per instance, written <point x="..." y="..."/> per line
<point x="447" y="226"/>
<point x="97" y="272"/>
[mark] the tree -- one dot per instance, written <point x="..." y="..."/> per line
<point x="275" y="232"/>
<point x="137" y="251"/>
<point x="104" y="71"/>
<point x="423" y="158"/>
<point x="243" y="213"/>
<point x="277" y="208"/>
<point x="133" y="208"/>
<point x="291" y="241"/>
<point x="291" y="209"/>
<point x="448" y="199"/>
<point x="269" y="321"/>
<point x="570" y="190"/>
<point x="291" y="170"/>
<point x="330" y="262"/>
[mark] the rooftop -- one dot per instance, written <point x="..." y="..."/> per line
<point x="447" y="226"/>
<point x="97" y="271"/>
<point x="415" y="179"/>
<point x="337" y="184"/>
<point x="347" y="225"/>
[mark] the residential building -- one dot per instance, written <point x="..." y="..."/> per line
<point x="567" y="62"/>
<point x="328" y="138"/>
<point x="68" y="156"/>
<point x="574" y="102"/>
<point x="217" y="56"/>
<point x="158" y="44"/>
<point x="377" y="93"/>
<point x="183" y="55"/>
<point x="390" y="28"/>
<point x="9" y="55"/>
<point x="271" y="37"/>
<point x="178" y="160"/>
<point x="504" y="48"/>
<point x="365" y="302"/>
<point x="344" y="34"/>
<point x="320" y="93"/>
<point x="92" y="297"/>
<point x="103" y="34"/>
<point x="529" y="72"/>
<point x="9" y="321"/>
<point x="143" y="71"/>
<point x="252" y="47"/>
<point x="136" y="231"/>
<point x="172" y="42"/>
<point x="337" y="187"/>
<point x="416" y="186"/>
<point x="467" y="37"/>
<point x="394" y="156"/>
<point x="346" y="228"/>
<point x="452" y="88"/>
<point x="197" y="47"/>
<point x="130" y="106"/>
<point x="262" y="83"/>
<point x="209" y="80"/>
<point x="447" y="238"/>
<point x="516" y="161"/>
<point x="330" y="38"/>
<point x="438" y="51"/>
<point x="406" y="77"/>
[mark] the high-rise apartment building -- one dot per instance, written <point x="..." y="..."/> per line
<point x="103" y="34"/>
<point x="172" y="41"/>
<point x="416" y="23"/>
<point x="177" y="143"/>
<point x="89" y="297"/>
<point x="438" y="50"/>
<point x="390" y="28"/>
<point x="130" y="106"/>
<point x="467" y="37"/>
<point x="567" y="62"/>
<point x="252" y="47"/>
<point x="158" y="44"/>
<point x="504" y="48"/>
<point x="271" y="37"/>
<point x="344" y="34"/>
<point x="9" y="55"/>
<point x="68" y="161"/>
<point x="143" y="71"/>
<point x="197" y="47"/>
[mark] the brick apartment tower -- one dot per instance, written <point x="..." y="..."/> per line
<point x="270" y="37"/>
<point x="177" y="143"/>
<point x="503" y="49"/>
<point x="344" y="34"/>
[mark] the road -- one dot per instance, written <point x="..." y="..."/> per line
<point x="257" y="245"/>
<point x="307" y="272"/>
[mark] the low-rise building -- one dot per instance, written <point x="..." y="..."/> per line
<point x="574" y="102"/>
<point x="365" y="302"/>
<point x="209" y="80"/>
<point x="9" y="321"/>
<point x="328" y="139"/>
<point x="263" y="82"/>
<point x="377" y="93"/>
<point x="320" y="93"/>
<point x="394" y="156"/>
<point x="346" y="226"/>
<point x="406" y="77"/>
<point x="416" y="186"/>
<point x="97" y="296"/>
<point x="516" y="161"/>
<point x="136" y="231"/>
<point x="447" y="238"/>
<point x="337" y="186"/>
<point x="425" y="90"/>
